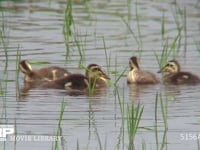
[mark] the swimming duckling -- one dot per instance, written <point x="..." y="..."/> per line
<point x="138" y="76"/>
<point x="176" y="76"/>
<point x="47" y="73"/>
<point x="93" y="78"/>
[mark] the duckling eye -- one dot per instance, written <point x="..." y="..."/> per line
<point x="96" y="69"/>
<point x="170" y="65"/>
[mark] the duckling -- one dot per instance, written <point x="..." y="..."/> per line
<point x="176" y="76"/>
<point x="94" y="77"/>
<point x="47" y="73"/>
<point x="138" y="76"/>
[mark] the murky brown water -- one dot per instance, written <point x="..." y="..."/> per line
<point x="36" y="28"/>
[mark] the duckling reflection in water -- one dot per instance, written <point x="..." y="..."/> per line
<point x="138" y="76"/>
<point x="174" y="75"/>
<point x="46" y="73"/>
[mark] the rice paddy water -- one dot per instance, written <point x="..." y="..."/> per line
<point x="75" y="33"/>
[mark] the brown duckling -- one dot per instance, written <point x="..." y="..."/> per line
<point x="94" y="78"/>
<point x="47" y="73"/>
<point x="176" y="76"/>
<point x="138" y="76"/>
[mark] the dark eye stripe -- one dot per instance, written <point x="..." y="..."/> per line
<point x="96" y="69"/>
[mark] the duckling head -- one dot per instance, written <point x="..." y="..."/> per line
<point x="94" y="71"/>
<point x="30" y="74"/>
<point x="172" y="66"/>
<point x="134" y="63"/>
<point x="25" y="67"/>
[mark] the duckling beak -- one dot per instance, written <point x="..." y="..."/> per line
<point x="164" y="69"/>
<point x="103" y="75"/>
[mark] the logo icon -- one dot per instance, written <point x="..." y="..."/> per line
<point x="6" y="130"/>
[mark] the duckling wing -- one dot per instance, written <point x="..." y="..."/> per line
<point x="52" y="72"/>
<point x="185" y="77"/>
<point x="146" y="77"/>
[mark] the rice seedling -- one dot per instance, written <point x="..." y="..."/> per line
<point x="134" y="116"/>
<point x="38" y="62"/>
<point x="91" y="83"/>
<point x="108" y="57"/>
<point x="164" y="110"/>
<point x="138" y="27"/>
<point x="130" y="120"/>
<point x="181" y="25"/>
<point x="80" y="44"/>
<point x="167" y="51"/>
<point x="176" y="12"/>
<point x="180" y="17"/>
<point x="185" y="30"/>
<point x="4" y="37"/>
<point x="121" y="137"/>
<point x="68" y="21"/>
<point x="93" y="124"/>
<point x="3" y="95"/>
<point x="136" y="36"/>
<point x="18" y="59"/>
<point x="143" y="145"/>
<point x="15" y="129"/>
<point x="129" y="9"/>
<point x="198" y="144"/>
<point x="91" y="86"/>
<point x="133" y="34"/>
<point x="118" y="75"/>
<point x="77" y="145"/>
<point x="197" y="44"/>
<point x="163" y="27"/>
<point x="59" y="129"/>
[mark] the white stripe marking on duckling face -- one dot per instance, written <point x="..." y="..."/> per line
<point x="25" y="70"/>
<point x="29" y="66"/>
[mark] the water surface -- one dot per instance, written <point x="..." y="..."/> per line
<point x="35" y="31"/>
